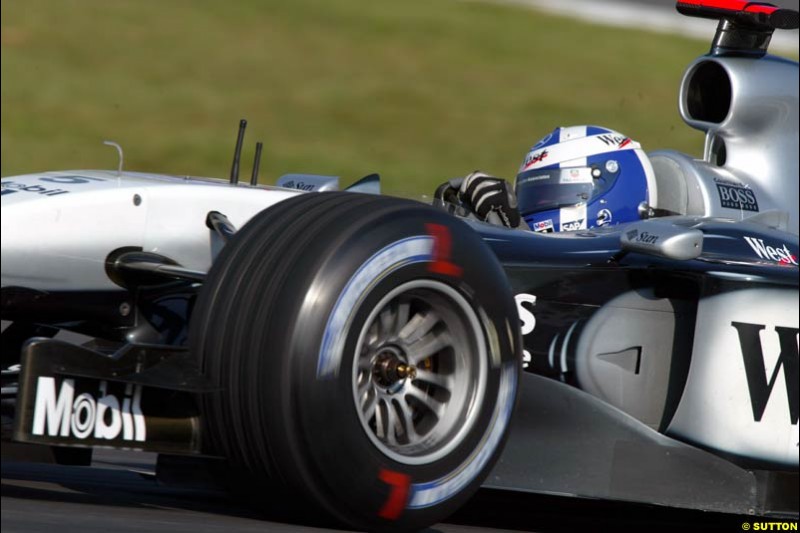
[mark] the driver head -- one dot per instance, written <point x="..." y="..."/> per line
<point x="582" y="177"/>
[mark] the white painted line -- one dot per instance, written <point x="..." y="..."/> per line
<point x="662" y="19"/>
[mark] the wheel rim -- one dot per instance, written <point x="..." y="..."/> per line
<point x="419" y="372"/>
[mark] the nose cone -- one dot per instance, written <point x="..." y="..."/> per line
<point x="58" y="228"/>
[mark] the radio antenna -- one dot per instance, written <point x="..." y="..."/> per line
<point x="119" y="155"/>
<point x="256" y="164"/>
<point x="237" y="154"/>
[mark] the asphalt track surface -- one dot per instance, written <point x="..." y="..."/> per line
<point x="118" y="493"/>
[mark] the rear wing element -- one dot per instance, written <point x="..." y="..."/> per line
<point x="745" y="28"/>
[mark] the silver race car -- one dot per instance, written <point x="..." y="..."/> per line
<point x="379" y="359"/>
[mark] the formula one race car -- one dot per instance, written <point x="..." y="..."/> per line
<point x="365" y="354"/>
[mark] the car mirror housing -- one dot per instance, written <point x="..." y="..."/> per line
<point x="663" y="239"/>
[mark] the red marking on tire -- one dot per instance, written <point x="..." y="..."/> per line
<point x="398" y="495"/>
<point x="442" y="246"/>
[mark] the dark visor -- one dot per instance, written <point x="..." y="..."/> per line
<point x="541" y="190"/>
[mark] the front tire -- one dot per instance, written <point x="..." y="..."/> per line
<point x="367" y="350"/>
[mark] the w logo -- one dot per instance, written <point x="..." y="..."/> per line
<point x="755" y="367"/>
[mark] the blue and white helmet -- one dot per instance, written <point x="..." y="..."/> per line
<point x="583" y="177"/>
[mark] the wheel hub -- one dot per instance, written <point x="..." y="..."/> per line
<point x="390" y="369"/>
<point x="419" y="371"/>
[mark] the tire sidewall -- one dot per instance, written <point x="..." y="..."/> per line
<point x="322" y="405"/>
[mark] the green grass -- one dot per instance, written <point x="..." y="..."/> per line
<point x="418" y="90"/>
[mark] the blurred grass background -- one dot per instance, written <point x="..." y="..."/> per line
<point x="417" y="90"/>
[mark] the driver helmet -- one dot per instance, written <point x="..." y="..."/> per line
<point x="582" y="177"/>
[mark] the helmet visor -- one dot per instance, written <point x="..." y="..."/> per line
<point x="543" y="189"/>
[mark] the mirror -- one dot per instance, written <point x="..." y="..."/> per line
<point x="663" y="239"/>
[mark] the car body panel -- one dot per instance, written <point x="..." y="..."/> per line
<point x="59" y="227"/>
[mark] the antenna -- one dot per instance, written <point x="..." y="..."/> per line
<point x="256" y="164"/>
<point x="237" y="154"/>
<point x="119" y="154"/>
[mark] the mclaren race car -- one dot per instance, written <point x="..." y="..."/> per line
<point x="379" y="359"/>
